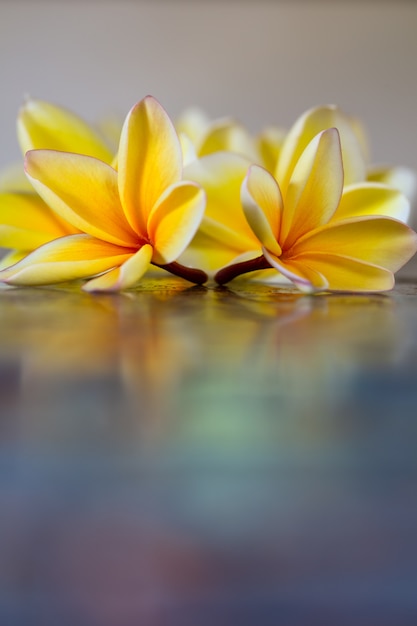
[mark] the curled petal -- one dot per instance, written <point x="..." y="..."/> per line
<point x="380" y="241"/>
<point x="315" y="188"/>
<point x="124" y="276"/>
<point x="175" y="219"/>
<point x="262" y="206"/>
<point x="150" y="160"/>
<point x="26" y="222"/>
<point x="306" y="278"/>
<point x="83" y="191"/>
<point x="66" y="258"/>
<point x="308" y="126"/>
<point x="44" y="125"/>
<point x="372" y="199"/>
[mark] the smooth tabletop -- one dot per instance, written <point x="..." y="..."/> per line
<point x="193" y="456"/>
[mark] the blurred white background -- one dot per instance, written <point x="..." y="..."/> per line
<point x="264" y="62"/>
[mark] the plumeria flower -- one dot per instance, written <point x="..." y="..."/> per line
<point x="26" y="221"/>
<point x="127" y="219"/>
<point x="225" y="235"/>
<point x="318" y="233"/>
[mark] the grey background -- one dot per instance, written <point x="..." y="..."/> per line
<point x="263" y="62"/>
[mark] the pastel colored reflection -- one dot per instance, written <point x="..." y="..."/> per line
<point x="184" y="456"/>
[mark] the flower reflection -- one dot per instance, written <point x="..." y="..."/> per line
<point x="174" y="442"/>
<point x="167" y="362"/>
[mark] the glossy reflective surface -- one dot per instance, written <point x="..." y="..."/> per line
<point x="190" y="456"/>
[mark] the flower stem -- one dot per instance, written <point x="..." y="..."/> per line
<point x="226" y="274"/>
<point x="189" y="273"/>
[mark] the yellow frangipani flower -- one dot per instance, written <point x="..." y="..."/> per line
<point x="225" y="237"/>
<point x="143" y="213"/>
<point x="317" y="233"/>
<point x="26" y="221"/>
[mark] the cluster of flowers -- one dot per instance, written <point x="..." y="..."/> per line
<point x="202" y="200"/>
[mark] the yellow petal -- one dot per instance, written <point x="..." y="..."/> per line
<point x="124" y="276"/>
<point x="372" y="199"/>
<point x="262" y="205"/>
<point x="301" y="274"/>
<point x="379" y="241"/>
<point x="208" y="254"/>
<point x="228" y="135"/>
<point x="11" y="258"/>
<point x="44" y="125"/>
<point x="221" y="176"/>
<point x="67" y="258"/>
<point x="270" y="142"/>
<point x="188" y="149"/>
<point x="347" y="274"/>
<point x="402" y="178"/>
<point x="150" y="160"/>
<point x="110" y="127"/>
<point x="26" y="222"/>
<point x="315" y="188"/>
<point x="83" y="191"/>
<point x="308" y="126"/>
<point x="194" y="123"/>
<point x="12" y="178"/>
<point x="174" y="220"/>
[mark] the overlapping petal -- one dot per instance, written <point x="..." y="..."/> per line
<point x="10" y="258"/>
<point x="221" y="176"/>
<point x="149" y="160"/>
<point x="83" y="191"/>
<point x="26" y="222"/>
<point x="372" y="199"/>
<point x="402" y="178"/>
<point x="194" y="123"/>
<point x="315" y="188"/>
<point x="269" y="143"/>
<point x="64" y="259"/>
<point x="41" y="124"/>
<point x="12" y="178"/>
<point x="228" y="135"/>
<point x="305" y="277"/>
<point x="174" y="220"/>
<point x="305" y="129"/>
<point x="380" y="241"/>
<point x="348" y="274"/>
<point x="262" y="204"/>
<point x="124" y="276"/>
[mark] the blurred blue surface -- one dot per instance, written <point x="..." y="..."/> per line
<point x="189" y="456"/>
